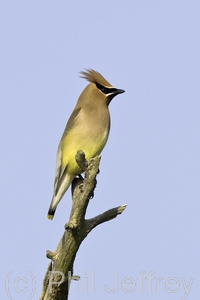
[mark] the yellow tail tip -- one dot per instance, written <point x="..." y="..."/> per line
<point x="50" y="217"/>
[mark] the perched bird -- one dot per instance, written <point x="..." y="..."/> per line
<point x="87" y="129"/>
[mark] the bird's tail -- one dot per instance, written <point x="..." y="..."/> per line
<point x="51" y="210"/>
<point x="58" y="196"/>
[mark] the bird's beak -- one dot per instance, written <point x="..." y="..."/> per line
<point x="119" y="91"/>
<point x="113" y="94"/>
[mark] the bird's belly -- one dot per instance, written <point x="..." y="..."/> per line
<point x="90" y="143"/>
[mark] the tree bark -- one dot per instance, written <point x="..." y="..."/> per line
<point x="59" y="273"/>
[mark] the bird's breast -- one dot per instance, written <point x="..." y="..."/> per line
<point x="89" y="134"/>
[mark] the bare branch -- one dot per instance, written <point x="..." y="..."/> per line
<point x="106" y="216"/>
<point x="60" y="271"/>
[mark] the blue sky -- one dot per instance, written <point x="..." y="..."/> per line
<point x="151" y="49"/>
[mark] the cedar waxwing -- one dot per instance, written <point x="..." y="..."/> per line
<point x="87" y="129"/>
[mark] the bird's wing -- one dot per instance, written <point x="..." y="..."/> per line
<point x="71" y="121"/>
<point x="60" y="169"/>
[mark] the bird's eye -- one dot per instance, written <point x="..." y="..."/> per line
<point x="105" y="90"/>
<point x="102" y="88"/>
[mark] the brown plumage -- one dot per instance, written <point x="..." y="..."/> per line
<point x="87" y="129"/>
<point x="95" y="77"/>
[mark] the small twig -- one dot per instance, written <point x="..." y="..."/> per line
<point x="81" y="161"/>
<point x="106" y="216"/>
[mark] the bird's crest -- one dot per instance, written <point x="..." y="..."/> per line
<point x="94" y="77"/>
